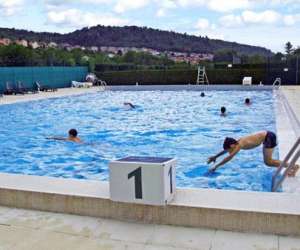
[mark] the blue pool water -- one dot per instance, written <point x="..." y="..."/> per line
<point x="166" y="124"/>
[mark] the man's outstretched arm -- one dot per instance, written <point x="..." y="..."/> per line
<point x="214" y="158"/>
<point x="226" y="159"/>
<point x="56" y="138"/>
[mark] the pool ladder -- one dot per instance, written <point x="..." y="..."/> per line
<point x="294" y="155"/>
<point x="202" y="76"/>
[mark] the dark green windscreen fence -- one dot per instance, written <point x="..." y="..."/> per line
<point x="57" y="77"/>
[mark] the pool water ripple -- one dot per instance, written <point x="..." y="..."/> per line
<point x="166" y="124"/>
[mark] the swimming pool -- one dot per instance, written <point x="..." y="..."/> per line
<point x="177" y="124"/>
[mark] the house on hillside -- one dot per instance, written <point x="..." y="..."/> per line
<point x="93" y="49"/>
<point x="52" y="45"/>
<point x="5" y="41"/>
<point x="65" y="46"/>
<point x="34" y="44"/>
<point x="151" y="51"/>
<point x="43" y="45"/>
<point x="22" y="42"/>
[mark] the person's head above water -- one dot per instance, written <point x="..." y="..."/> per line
<point x="202" y="94"/>
<point x="247" y="101"/>
<point x="228" y="142"/>
<point x="223" y="110"/>
<point x="73" y="132"/>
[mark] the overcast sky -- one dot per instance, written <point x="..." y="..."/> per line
<point x="267" y="23"/>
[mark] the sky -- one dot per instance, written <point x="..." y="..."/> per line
<point x="267" y="23"/>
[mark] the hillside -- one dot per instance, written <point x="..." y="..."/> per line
<point x="132" y="36"/>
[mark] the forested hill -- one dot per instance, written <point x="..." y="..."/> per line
<point x="132" y="36"/>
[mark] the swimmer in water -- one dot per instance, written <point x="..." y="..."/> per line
<point x="72" y="137"/>
<point x="129" y="104"/>
<point x="223" y="111"/>
<point x="247" y="101"/>
<point x="266" y="138"/>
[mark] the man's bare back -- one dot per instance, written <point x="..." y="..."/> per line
<point x="253" y="140"/>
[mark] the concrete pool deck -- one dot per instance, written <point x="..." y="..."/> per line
<point x="293" y="95"/>
<point x="277" y="213"/>
<point x="10" y="99"/>
<point x="25" y="229"/>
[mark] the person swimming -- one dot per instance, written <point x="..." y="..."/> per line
<point x="129" y="104"/>
<point x="72" y="137"/>
<point x="223" y="111"/>
<point x="266" y="138"/>
<point x="247" y="101"/>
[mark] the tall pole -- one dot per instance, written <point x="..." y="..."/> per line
<point x="297" y="68"/>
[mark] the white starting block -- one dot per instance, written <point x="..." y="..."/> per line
<point x="247" y="80"/>
<point x="145" y="180"/>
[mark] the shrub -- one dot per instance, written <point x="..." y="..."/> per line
<point x="189" y="76"/>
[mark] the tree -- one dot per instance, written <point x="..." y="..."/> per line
<point x="256" y="59"/>
<point x="288" y="48"/>
<point x="224" y="56"/>
<point x="297" y="51"/>
<point x="278" y="57"/>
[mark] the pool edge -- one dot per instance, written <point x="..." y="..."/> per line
<point x="227" y="210"/>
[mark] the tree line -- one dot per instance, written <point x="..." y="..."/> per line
<point x="17" y="55"/>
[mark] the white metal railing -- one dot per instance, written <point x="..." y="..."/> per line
<point x="102" y="84"/>
<point x="286" y="166"/>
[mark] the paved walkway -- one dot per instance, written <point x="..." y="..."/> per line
<point x="293" y="95"/>
<point x="34" y="230"/>
<point x="7" y="99"/>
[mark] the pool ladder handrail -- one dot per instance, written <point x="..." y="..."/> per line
<point x="277" y="83"/>
<point x="276" y="184"/>
<point x="102" y="84"/>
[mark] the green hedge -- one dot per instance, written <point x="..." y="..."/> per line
<point x="215" y="76"/>
<point x="149" y="77"/>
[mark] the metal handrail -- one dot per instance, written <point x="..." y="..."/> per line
<point x="278" y="81"/>
<point x="276" y="184"/>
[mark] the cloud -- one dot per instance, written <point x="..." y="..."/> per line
<point x="205" y="28"/>
<point x="10" y="7"/>
<point x="165" y="4"/>
<point x="161" y="13"/>
<point x="59" y="4"/>
<point x="126" y="5"/>
<point x="77" y="19"/>
<point x="291" y="20"/>
<point x="202" y="24"/>
<point x="230" y="21"/>
<point x="68" y="2"/>
<point x="216" y="5"/>
<point x="226" y="6"/>
<point x="267" y="17"/>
